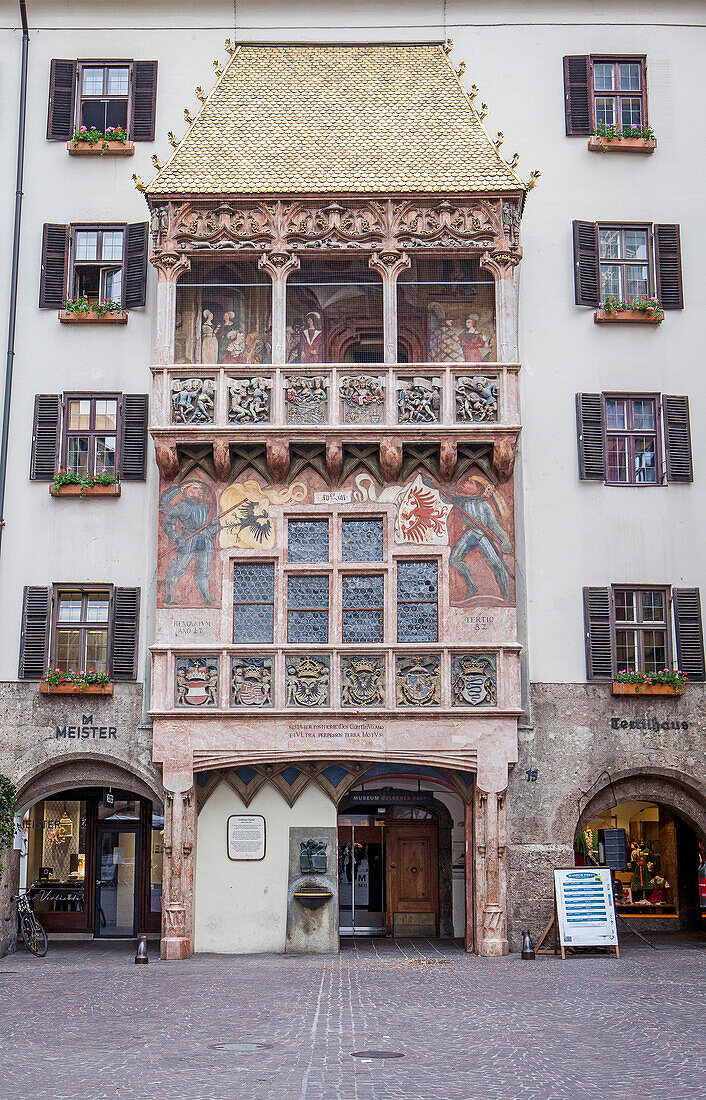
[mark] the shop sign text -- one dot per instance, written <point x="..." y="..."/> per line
<point x="87" y="731"/>
<point x="646" y="724"/>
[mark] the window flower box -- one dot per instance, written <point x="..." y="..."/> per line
<point x="75" y="689"/>
<point x="599" y="143"/>
<point x="85" y="490"/>
<point x="619" y="688"/>
<point x="104" y="149"/>
<point x="627" y="317"/>
<point x="112" y="317"/>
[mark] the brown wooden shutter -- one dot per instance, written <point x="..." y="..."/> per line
<point x="668" y="265"/>
<point x="126" y="618"/>
<point x="52" y="281"/>
<point x="689" y="631"/>
<point x="598" y="621"/>
<point x="144" y="100"/>
<point x="577" y="104"/>
<point x="135" y="264"/>
<point x="45" y="436"/>
<point x="677" y="438"/>
<point x="133" y="437"/>
<point x="62" y="91"/>
<point x="586" y="266"/>
<point x="590" y="427"/>
<point x="34" y="636"/>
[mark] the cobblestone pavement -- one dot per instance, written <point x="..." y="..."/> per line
<point x="85" y="1023"/>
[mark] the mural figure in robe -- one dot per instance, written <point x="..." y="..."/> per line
<point x="311" y="341"/>
<point x="188" y="525"/>
<point x="484" y="533"/>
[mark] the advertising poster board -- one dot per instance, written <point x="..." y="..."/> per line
<point x="585" y="908"/>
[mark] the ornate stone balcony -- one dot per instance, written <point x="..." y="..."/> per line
<point x="202" y="401"/>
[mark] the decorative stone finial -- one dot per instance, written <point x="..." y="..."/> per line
<point x="139" y="182"/>
<point x="155" y="161"/>
<point x="172" y="140"/>
<point x="199" y="93"/>
<point x="447" y="46"/>
<point x="187" y="116"/>
<point x="483" y="110"/>
<point x="461" y="69"/>
<point x="230" y="48"/>
<point x="534" y="176"/>
<point x="217" y="67"/>
<point x="515" y="158"/>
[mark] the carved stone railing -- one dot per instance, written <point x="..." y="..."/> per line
<point x="235" y="400"/>
<point x="251" y="681"/>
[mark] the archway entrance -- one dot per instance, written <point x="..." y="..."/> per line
<point x="648" y="829"/>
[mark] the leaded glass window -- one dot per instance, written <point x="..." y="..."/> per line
<point x="363" y="608"/>
<point x="307" y="540"/>
<point x="253" y="603"/>
<point x="361" y="540"/>
<point x="417" y="601"/>
<point x="307" y="609"/>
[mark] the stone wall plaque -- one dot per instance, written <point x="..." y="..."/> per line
<point x="246" y="837"/>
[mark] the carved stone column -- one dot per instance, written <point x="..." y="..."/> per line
<point x="490" y="873"/>
<point x="279" y="265"/>
<point x="170" y="267"/>
<point x="178" y="874"/>
<point x="389" y="265"/>
<point x="502" y="265"/>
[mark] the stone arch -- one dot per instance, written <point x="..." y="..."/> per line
<point x="96" y="770"/>
<point x="679" y="792"/>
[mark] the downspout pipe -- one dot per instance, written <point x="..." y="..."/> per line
<point x="12" y="321"/>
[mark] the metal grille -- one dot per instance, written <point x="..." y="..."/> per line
<point x="253" y="603"/>
<point x="307" y="609"/>
<point x="417" y="598"/>
<point x="361" y="539"/>
<point x="307" y="540"/>
<point x="363" y="609"/>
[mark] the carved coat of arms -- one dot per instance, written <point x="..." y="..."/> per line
<point x="474" y="681"/>
<point x="362" y="681"/>
<point x="252" y="682"/>
<point x="418" y="681"/>
<point x="307" y="682"/>
<point x="196" y="681"/>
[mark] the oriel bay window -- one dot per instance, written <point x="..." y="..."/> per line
<point x="253" y="603"/>
<point x="334" y="311"/>
<point x="224" y="314"/>
<point x="417" y="601"/>
<point x="446" y="312"/>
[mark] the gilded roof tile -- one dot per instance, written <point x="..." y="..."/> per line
<point x="333" y="119"/>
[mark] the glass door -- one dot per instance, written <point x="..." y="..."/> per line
<point x="361" y="875"/>
<point x="116" y="882"/>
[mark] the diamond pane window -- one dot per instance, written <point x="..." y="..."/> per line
<point x="253" y="603"/>
<point x="307" y="540"/>
<point x="361" y="540"/>
<point x="417" y="600"/>
<point x="307" y="609"/>
<point x="362" y="599"/>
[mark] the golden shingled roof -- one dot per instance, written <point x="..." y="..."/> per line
<point x="334" y="119"/>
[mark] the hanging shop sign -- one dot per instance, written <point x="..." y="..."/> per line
<point x="246" y="836"/>
<point x="585" y="908"/>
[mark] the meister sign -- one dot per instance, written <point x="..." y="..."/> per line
<point x="87" y="731"/>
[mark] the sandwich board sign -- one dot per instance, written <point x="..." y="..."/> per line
<point x="585" y="908"/>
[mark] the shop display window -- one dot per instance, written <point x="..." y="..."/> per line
<point x="334" y="312"/>
<point x="446" y="312"/>
<point x="224" y="314"/>
<point x="56" y="853"/>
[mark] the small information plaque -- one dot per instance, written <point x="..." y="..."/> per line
<point x="246" y="836"/>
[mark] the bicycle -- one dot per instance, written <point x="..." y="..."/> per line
<point x="32" y="931"/>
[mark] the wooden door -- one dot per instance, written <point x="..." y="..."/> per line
<point x="412" y="879"/>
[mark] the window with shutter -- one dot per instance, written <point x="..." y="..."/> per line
<point x="677" y="438"/>
<point x="34" y="636"/>
<point x="598" y="621"/>
<point x="668" y="265"/>
<point x="62" y="91"/>
<point x="591" y="436"/>
<point x="133" y="448"/>
<point x="126" y="617"/>
<point x="136" y="265"/>
<point x="586" y="263"/>
<point x="52" y="283"/>
<point x="45" y="436"/>
<point x="689" y="632"/>
<point x="576" y="96"/>
<point x="144" y="99"/>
